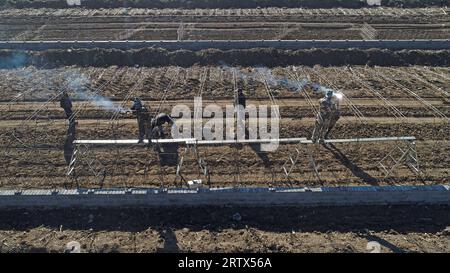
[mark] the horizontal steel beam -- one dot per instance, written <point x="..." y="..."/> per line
<point x="324" y="196"/>
<point x="373" y="139"/>
<point x="184" y="141"/>
<point x="230" y="44"/>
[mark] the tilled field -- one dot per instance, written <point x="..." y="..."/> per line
<point x="400" y="98"/>
<point x="379" y="102"/>
<point x="217" y="24"/>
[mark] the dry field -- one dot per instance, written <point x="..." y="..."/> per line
<point x="379" y="102"/>
<point x="218" y="24"/>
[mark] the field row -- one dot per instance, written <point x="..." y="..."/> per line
<point x="218" y="82"/>
<point x="150" y="24"/>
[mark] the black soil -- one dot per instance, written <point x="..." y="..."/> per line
<point x="269" y="57"/>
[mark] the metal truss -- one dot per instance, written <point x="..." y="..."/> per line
<point x="191" y="147"/>
<point x="400" y="156"/>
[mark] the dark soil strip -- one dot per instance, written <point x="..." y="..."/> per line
<point x="247" y="57"/>
<point x="402" y="219"/>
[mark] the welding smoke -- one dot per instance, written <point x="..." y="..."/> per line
<point x="324" y="90"/>
<point x="272" y="80"/>
<point x="14" y="60"/>
<point x="78" y="82"/>
<point x="295" y="86"/>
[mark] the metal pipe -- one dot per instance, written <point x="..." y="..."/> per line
<point x="192" y="141"/>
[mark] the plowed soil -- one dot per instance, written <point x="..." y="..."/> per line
<point x="217" y="24"/>
<point x="380" y="102"/>
<point x="405" y="100"/>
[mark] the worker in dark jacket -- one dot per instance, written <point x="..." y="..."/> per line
<point x="241" y="100"/>
<point x="137" y="105"/>
<point x="142" y="115"/>
<point x="144" y="120"/>
<point x="157" y="124"/>
<point x="66" y="104"/>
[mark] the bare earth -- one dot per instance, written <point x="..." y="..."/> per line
<point x="416" y="107"/>
<point x="211" y="229"/>
<point x="380" y="101"/>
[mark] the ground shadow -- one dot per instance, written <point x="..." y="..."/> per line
<point x="170" y="241"/>
<point x="384" y="243"/>
<point x="68" y="143"/>
<point x="355" y="169"/>
<point x="262" y="155"/>
<point x="402" y="219"/>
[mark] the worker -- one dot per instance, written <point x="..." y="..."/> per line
<point x="142" y="116"/>
<point x="157" y="130"/>
<point x="66" y="103"/>
<point x="145" y="124"/>
<point x="335" y="113"/>
<point x="137" y="105"/>
<point x="241" y="100"/>
<point x="324" y="117"/>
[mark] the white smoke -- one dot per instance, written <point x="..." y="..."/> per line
<point x="324" y="90"/>
<point x="272" y="80"/>
<point x="295" y="86"/>
<point x="78" y="84"/>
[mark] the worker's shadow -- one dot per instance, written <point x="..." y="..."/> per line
<point x="170" y="241"/>
<point x="262" y="155"/>
<point x="383" y="242"/>
<point x="68" y="143"/>
<point x="355" y="169"/>
<point x="256" y="147"/>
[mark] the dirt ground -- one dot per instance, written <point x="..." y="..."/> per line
<point x="211" y="229"/>
<point x="216" y="24"/>
<point x="400" y="100"/>
<point x="380" y="102"/>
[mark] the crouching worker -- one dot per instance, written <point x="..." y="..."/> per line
<point x="157" y="130"/>
<point x="335" y="113"/>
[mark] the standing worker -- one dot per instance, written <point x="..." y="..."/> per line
<point x="240" y="104"/>
<point x="240" y="100"/>
<point x="66" y="103"/>
<point x="145" y="124"/>
<point x="324" y="117"/>
<point x="142" y="116"/>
